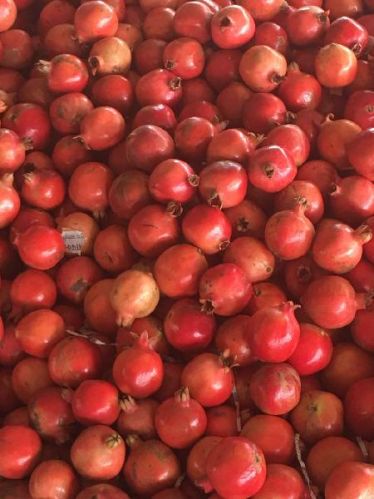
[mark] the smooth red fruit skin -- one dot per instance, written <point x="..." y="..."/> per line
<point x="338" y="376"/>
<point x="51" y="414"/>
<point x="129" y="193"/>
<point x="335" y="66"/>
<point x="187" y="328"/>
<point x="30" y="122"/>
<point x="286" y="481"/>
<point x="275" y="388"/>
<point x="304" y="192"/>
<point x="299" y="90"/>
<point x="40" y="247"/>
<point x="196" y="461"/>
<point x="21" y="449"/>
<point x="138" y="371"/>
<point x="359" y="408"/>
<point x="102" y="128"/>
<point x="236" y="467"/>
<point x="271" y="169"/>
<point x="12" y="151"/>
<point x="97" y="308"/>
<point x="54" y="477"/>
<point x="221" y="421"/>
<point x="73" y="360"/>
<point x="273" y="35"/>
<point x="313" y="351"/>
<point x="207" y="228"/>
<point x="181" y="279"/>
<point x="274" y="333"/>
<point x="252" y="256"/>
<point x="319" y="172"/>
<point x="38" y="332"/>
<point x="262" y="68"/>
<point x="329" y="453"/>
<point x="43" y="189"/>
<point x="359" y="108"/>
<point x="348" y="32"/>
<point x="29" y="376"/>
<point x="8" y="14"/>
<point x="223" y="183"/>
<point x="192" y="138"/>
<point x="232" y="27"/>
<point x="265" y="294"/>
<point x="112" y="249"/>
<point x="89" y="186"/>
<point x="319" y="414"/>
<point x="98" y="453"/>
<point x="289" y="233"/>
<point x="208" y="380"/>
<point x="95" y="402"/>
<point x="147" y="146"/>
<point x="292" y="139"/>
<point x="163" y="467"/>
<point x="115" y="91"/>
<point x="274" y="435"/>
<point x="33" y="289"/>
<point x="261" y="112"/>
<point x="231" y="144"/>
<point x="172" y="180"/>
<point x="152" y="230"/>
<point x="333" y="141"/>
<point x="330" y="301"/>
<point x="95" y="20"/>
<point x="191" y="416"/>
<point x="10" y="349"/>
<point x="185" y="57"/>
<point x="10" y="202"/>
<point x="352" y="200"/>
<point x="230" y="102"/>
<point x="307" y="25"/>
<point x="337" y="247"/>
<point x="362" y="329"/>
<point x="247" y="219"/>
<point x="159" y="86"/>
<point x="156" y="114"/>
<point x="350" y="480"/>
<point x="65" y="73"/>
<point x="360" y="153"/>
<point x="232" y="336"/>
<point x="224" y="289"/>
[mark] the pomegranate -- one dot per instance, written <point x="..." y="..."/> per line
<point x="274" y="333"/>
<point x="229" y="475"/>
<point x="330" y="301"/>
<point x="359" y="153"/>
<point x="289" y="233"/>
<point x="219" y="297"/>
<point x="134" y="294"/>
<point x="337" y="247"/>
<point x="262" y="68"/>
<point x="271" y="168"/>
<point x="335" y="66"/>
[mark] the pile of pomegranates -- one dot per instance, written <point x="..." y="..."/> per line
<point x="186" y="249"/>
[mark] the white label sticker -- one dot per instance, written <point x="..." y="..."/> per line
<point x="74" y="240"/>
